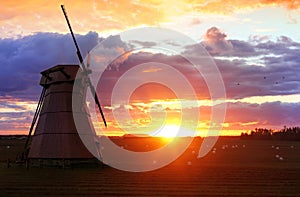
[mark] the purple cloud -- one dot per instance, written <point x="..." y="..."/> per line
<point x="257" y="67"/>
<point x="23" y="59"/>
<point x="273" y="114"/>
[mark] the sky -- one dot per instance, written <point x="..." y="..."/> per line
<point x="255" y="45"/>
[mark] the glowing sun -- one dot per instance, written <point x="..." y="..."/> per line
<point x="167" y="131"/>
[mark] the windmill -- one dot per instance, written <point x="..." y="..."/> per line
<point x="56" y="139"/>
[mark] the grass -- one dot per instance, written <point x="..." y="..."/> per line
<point x="251" y="168"/>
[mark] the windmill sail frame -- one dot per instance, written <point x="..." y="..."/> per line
<point x="85" y="70"/>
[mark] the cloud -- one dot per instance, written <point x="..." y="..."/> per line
<point x="152" y="67"/>
<point x="273" y="114"/>
<point x="242" y="48"/>
<point x="23" y="59"/>
<point x="231" y="6"/>
<point x="196" y="21"/>
<point x="110" y="53"/>
<point x="244" y="81"/>
<point x="256" y="67"/>
<point x="215" y="42"/>
<point x="15" y="121"/>
<point x="16" y="19"/>
<point x="239" y="115"/>
<point x="144" y="44"/>
<point x="11" y="106"/>
<point x="251" y="68"/>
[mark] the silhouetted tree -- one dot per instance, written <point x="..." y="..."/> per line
<point x="287" y="133"/>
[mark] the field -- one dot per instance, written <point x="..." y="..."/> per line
<point x="236" y="168"/>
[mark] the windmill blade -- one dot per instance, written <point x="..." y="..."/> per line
<point x="94" y="93"/>
<point x="88" y="60"/>
<point x="85" y="71"/>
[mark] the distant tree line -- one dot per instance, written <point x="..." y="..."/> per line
<point x="287" y="133"/>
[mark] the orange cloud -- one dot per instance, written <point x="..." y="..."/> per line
<point x="20" y="18"/>
<point x="231" y="6"/>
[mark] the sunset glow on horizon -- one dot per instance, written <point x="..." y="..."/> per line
<point x="254" y="44"/>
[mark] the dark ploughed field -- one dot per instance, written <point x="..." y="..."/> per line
<point x="236" y="168"/>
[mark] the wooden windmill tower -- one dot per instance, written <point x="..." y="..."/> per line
<point x="56" y="139"/>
